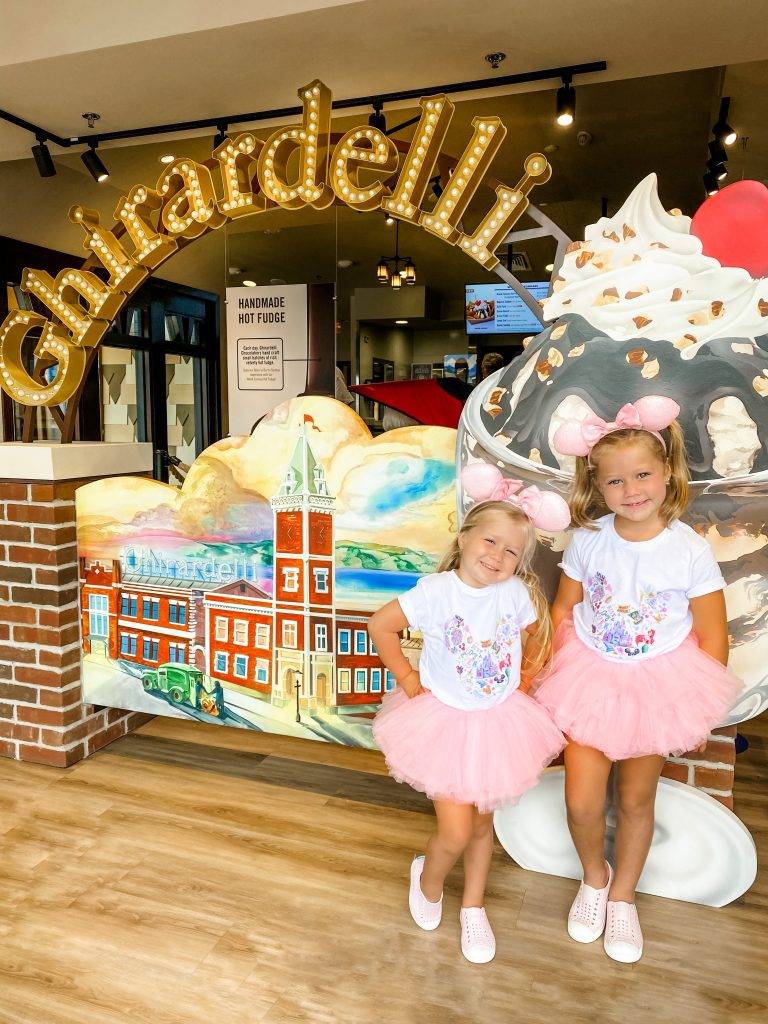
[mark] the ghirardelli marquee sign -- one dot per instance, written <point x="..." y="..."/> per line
<point x="246" y="176"/>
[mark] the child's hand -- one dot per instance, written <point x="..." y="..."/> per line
<point x="411" y="684"/>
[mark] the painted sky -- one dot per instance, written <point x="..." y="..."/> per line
<point x="395" y="489"/>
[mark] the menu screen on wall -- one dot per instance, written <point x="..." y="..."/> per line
<point x="498" y="309"/>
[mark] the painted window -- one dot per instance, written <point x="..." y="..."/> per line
<point x="372" y="646"/>
<point x="262" y="634"/>
<point x="290" y="634"/>
<point x="241" y="666"/>
<point x="128" y="643"/>
<point x="177" y="613"/>
<point x="291" y="579"/>
<point x="98" y="615"/>
<point x="390" y="681"/>
<point x="220" y="661"/>
<point x="129" y="605"/>
<point x="262" y="670"/>
<point x="345" y="641"/>
<point x="149" y="649"/>
<point x="375" y="680"/>
<point x="321" y="636"/>
<point x="361" y="680"/>
<point x="321" y="580"/>
<point x="150" y="609"/>
<point x="344" y="680"/>
<point x="222" y="628"/>
<point x="240" y="632"/>
<point x="177" y="652"/>
<point x="361" y="641"/>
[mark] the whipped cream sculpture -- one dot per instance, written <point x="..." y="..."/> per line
<point x="638" y="309"/>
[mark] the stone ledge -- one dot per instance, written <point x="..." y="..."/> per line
<point x="81" y="459"/>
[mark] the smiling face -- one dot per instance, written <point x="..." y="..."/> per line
<point x="632" y="480"/>
<point x="491" y="549"/>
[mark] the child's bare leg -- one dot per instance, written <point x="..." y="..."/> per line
<point x="446" y="845"/>
<point x="477" y="859"/>
<point x="586" y="779"/>
<point x="637" y="780"/>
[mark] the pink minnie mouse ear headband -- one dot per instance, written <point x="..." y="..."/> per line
<point x="652" y="413"/>
<point x="546" y="510"/>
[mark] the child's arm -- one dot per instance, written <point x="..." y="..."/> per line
<point x="569" y="594"/>
<point x="384" y="627"/>
<point x="710" y="624"/>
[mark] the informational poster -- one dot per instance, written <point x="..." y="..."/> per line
<point x="267" y="350"/>
<point x="498" y="309"/>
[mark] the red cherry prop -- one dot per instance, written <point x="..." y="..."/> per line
<point x="733" y="226"/>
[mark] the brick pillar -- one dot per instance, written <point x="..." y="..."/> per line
<point x="42" y="715"/>
<point x="711" y="770"/>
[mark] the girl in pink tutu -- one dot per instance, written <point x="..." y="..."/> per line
<point x="640" y="649"/>
<point x="462" y="728"/>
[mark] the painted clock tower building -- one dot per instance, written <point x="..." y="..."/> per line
<point x="304" y="582"/>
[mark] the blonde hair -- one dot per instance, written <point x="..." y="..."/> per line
<point x="586" y="501"/>
<point x="452" y="558"/>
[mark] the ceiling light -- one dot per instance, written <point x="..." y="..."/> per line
<point x="710" y="183"/>
<point x="566" y="103"/>
<point x="389" y="220"/>
<point x="93" y="162"/>
<point x="401" y="323"/>
<point x="549" y="267"/>
<point x="409" y="273"/>
<point x="167" y="158"/>
<point x="247" y="283"/>
<point x="396" y="281"/>
<point x="718" y="168"/>
<point x="722" y="130"/>
<point x="377" y="118"/>
<point x="382" y="272"/>
<point x="45" y="165"/>
<point x="717" y="151"/>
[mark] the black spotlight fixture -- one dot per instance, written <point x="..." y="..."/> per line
<point x="722" y="131"/>
<point x="566" y="103"/>
<point x="711" y="184"/>
<point x="46" y="168"/>
<point x="717" y="167"/>
<point x="221" y="134"/>
<point x="93" y="162"/>
<point x="377" y="118"/>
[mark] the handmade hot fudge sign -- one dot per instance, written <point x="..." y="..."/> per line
<point x="245" y="177"/>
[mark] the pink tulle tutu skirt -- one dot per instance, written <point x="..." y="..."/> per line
<point x="487" y="758"/>
<point x="663" y="705"/>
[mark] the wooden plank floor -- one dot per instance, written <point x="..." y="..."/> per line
<point x="196" y="874"/>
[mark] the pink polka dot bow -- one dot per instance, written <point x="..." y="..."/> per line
<point x="546" y="510"/>
<point x="652" y="413"/>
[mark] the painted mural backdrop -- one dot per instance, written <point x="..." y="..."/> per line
<point x="244" y="597"/>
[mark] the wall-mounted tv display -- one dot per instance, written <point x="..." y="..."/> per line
<point x="498" y="309"/>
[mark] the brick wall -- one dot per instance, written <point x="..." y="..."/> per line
<point x="712" y="769"/>
<point x="42" y="716"/>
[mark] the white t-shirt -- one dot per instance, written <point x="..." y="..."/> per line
<point x="636" y="593"/>
<point x="472" y="650"/>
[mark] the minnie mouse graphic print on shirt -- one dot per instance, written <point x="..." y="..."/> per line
<point x="472" y="647"/>
<point x="637" y="593"/>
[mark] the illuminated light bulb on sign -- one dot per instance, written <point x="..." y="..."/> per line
<point x="509" y="206"/>
<point x="124" y="273"/>
<point x="311" y="187"/>
<point x="363" y="149"/>
<point x="242" y="194"/>
<point x="84" y="327"/>
<point x="474" y="162"/>
<point x="134" y="211"/>
<point x="420" y="160"/>
<point x="189" y="206"/>
<point x="17" y="382"/>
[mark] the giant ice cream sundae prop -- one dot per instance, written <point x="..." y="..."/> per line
<point x="639" y="308"/>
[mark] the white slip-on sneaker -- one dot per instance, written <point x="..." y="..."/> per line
<point x="623" y="938"/>
<point x="478" y="943"/>
<point x="586" y="918"/>
<point x="426" y="914"/>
